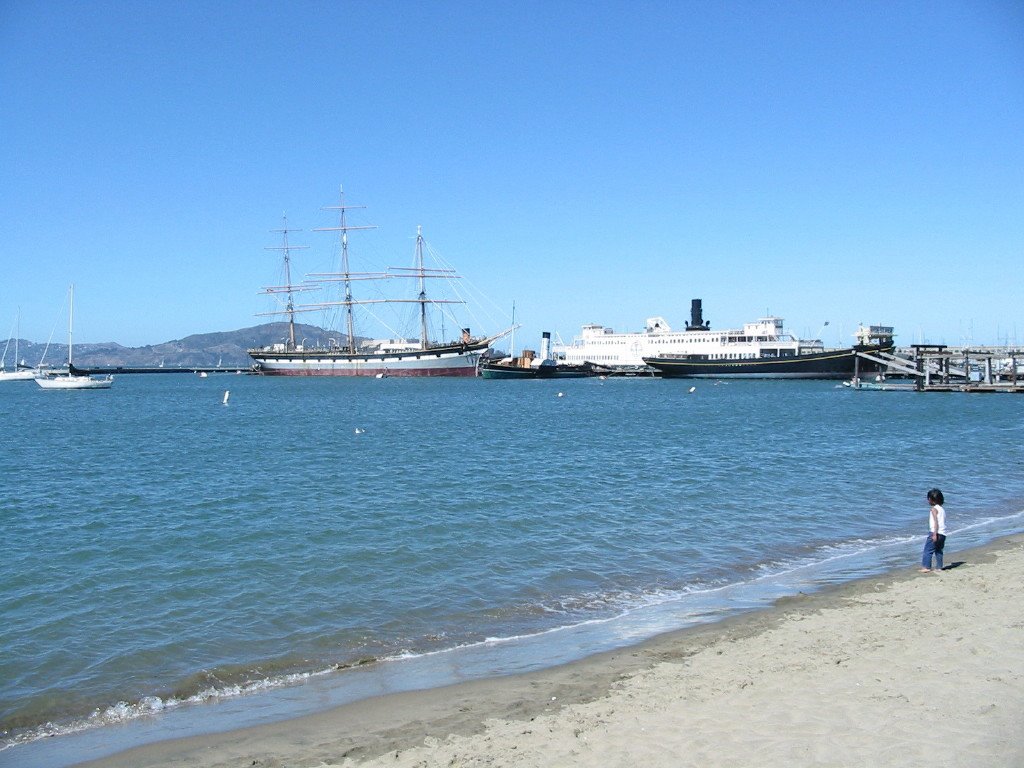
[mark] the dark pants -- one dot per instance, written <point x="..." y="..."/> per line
<point x="933" y="548"/>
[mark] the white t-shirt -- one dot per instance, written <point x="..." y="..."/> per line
<point x="937" y="522"/>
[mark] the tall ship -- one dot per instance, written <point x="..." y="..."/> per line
<point x="367" y="357"/>
<point x="760" y="349"/>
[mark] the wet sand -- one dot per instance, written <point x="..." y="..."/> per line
<point x="904" y="669"/>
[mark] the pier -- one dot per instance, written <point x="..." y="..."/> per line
<point x="940" y="368"/>
<point x="122" y="369"/>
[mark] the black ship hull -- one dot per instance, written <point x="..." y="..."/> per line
<point x="829" y="364"/>
<point x="562" y="371"/>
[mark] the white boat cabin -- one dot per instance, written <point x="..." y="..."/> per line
<point x="763" y="338"/>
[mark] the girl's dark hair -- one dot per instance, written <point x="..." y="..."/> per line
<point x="935" y="496"/>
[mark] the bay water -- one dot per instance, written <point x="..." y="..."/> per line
<point x="174" y="563"/>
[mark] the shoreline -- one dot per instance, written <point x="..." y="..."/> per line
<point x="852" y="674"/>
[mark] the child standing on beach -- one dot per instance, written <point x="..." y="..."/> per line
<point x="936" y="540"/>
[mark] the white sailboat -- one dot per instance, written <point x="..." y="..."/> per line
<point x="71" y="380"/>
<point x="20" y="372"/>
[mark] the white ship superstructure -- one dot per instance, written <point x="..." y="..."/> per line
<point x="763" y="338"/>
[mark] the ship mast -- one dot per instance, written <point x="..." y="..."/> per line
<point x="423" y="287"/>
<point x="288" y="289"/>
<point x="422" y="273"/>
<point x="346" y="276"/>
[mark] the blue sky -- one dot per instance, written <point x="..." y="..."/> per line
<point x="591" y="162"/>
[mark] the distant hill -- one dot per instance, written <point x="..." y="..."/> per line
<point x="202" y="350"/>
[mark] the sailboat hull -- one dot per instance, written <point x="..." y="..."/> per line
<point x="74" y="382"/>
<point x="458" y="360"/>
<point x="17" y="375"/>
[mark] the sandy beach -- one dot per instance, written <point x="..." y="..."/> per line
<point x="904" y="669"/>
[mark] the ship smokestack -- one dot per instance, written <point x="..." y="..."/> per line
<point x="696" y="317"/>
<point x="545" y="345"/>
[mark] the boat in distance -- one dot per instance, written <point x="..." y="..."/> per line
<point x="70" y="379"/>
<point x="499" y="369"/>
<point x="378" y="358"/>
<point x="762" y="350"/>
<point x="21" y="371"/>
<point x="529" y="365"/>
<point x="388" y="359"/>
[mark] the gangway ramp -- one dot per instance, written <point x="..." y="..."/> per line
<point x="908" y="365"/>
<point x="938" y="368"/>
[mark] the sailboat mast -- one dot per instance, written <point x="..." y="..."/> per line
<point x="288" y="287"/>
<point x="3" y="358"/>
<point x="423" y="287"/>
<point x="71" y="321"/>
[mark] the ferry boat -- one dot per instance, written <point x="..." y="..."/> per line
<point x="377" y="357"/>
<point x="761" y="349"/>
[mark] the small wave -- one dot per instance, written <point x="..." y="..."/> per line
<point x="830" y="553"/>
<point x="1017" y="518"/>
<point x="124" y="711"/>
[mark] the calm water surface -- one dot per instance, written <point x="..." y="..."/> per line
<point x="166" y="554"/>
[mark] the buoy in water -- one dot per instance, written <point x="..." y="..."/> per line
<point x="692" y="390"/>
<point x="227" y="394"/>
<point x="359" y="431"/>
<point x="561" y="394"/>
